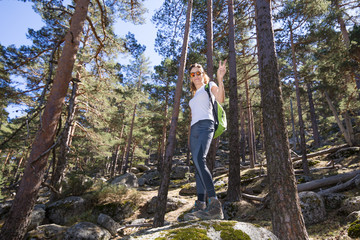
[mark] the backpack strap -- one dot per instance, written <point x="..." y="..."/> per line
<point x="207" y="89"/>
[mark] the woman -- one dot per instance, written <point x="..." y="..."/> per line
<point x="202" y="132"/>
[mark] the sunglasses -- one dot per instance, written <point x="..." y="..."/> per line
<point x="198" y="73"/>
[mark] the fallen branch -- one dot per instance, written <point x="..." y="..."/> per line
<point x="340" y="187"/>
<point x="134" y="225"/>
<point x="329" y="150"/>
<point x="326" y="181"/>
<point x="252" y="197"/>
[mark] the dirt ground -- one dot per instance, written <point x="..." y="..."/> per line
<point x="333" y="228"/>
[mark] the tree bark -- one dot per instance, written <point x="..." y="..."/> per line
<point x="18" y="218"/>
<point x="211" y="157"/>
<point x="165" y="178"/>
<point x="295" y="137"/>
<point x="316" y="184"/>
<point x="209" y="40"/>
<point x="250" y="127"/>
<point x="242" y="136"/>
<point x="234" y="190"/>
<point x="298" y="101"/>
<point x="164" y="130"/>
<point x="127" y="153"/>
<point x="341" y="126"/>
<point x="314" y="123"/>
<point x="287" y="220"/>
<point x="64" y="146"/>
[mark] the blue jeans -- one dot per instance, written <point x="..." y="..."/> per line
<point x="201" y="136"/>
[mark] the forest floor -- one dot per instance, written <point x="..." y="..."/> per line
<point x="333" y="228"/>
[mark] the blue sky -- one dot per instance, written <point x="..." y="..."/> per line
<point x="17" y="17"/>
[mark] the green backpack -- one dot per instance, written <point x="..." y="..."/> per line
<point x="219" y="115"/>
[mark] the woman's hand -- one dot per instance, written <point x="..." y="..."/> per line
<point x="219" y="91"/>
<point x="221" y="71"/>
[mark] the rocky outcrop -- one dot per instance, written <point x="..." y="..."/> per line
<point x="128" y="179"/>
<point x="48" y="231"/>
<point x="351" y="205"/>
<point x="62" y="212"/>
<point x="312" y="207"/>
<point x="212" y="229"/>
<point x="172" y="204"/>
<point x="86" y="231"/>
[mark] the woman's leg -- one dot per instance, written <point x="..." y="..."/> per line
<point x="200" y="139"/>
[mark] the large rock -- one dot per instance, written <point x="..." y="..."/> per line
<point x="212" y="229"/>
<point x="179" y="172"/>
<point x="48" y="231"/>
<point x="188" y="190"/>
<point x="151" y="178"/>
<point x="86" y="231"/>
<point x="312" y="207"/>
<point x="5" y="208"/>
<point x="351" y="205"/>
<point x="143" y="168"/>
<point x="37" y="216"/>
<point x="63" y="211"/>
<point x="171" y="205"/>
<point x="333" y="200"/>
<point x="117" y="211"/>
<point x="128" y="179"/>
<point x="108" y="223"/>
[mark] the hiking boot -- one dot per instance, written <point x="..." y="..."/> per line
<point x="213" y="211"/>
<point x="199" y="206"/>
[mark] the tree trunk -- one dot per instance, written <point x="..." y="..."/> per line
<point x="349" y="127"/>
<point x="298" y="101"/>
<point x="114" y="160"/>
<point x="347" y="42"/>
<point x="188" y="144"/>
<point x="115" y="156"/>
<point x="324" y="182"/>
<point x="18" y="218"/>
<point x="211" y="157"/>
<point x="164" y="130"/>
<point x="165" y="178"/>
<point x="314" y="124"/>
<point x="295" y="137"/>
<point x="234" y="190"/>
<point x="64" y="147"/>
<point x="242" y="135"/>
<point x="209" y="40"/>
<point x="127" y="153"/>
<point x="250" y="127"/>
<point x="6" y="161"/>
<point x="287" y="220"/>
<point x="341" y="126"/>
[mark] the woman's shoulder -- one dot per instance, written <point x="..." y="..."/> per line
<point x="212" y="83"/>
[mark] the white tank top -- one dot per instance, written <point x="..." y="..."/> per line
<point x="201" y="108"/>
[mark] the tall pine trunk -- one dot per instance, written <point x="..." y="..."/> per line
<point x="234" y="191"/>
<point x="314" y="123"/>
<point x="210" y="158"/>
<point x="338" y="121"/>
<point x="15" y="225"/>
<point x="165" y="178"/>
<point x="305" y="163"/>
<point x="64" y="146"/>
<point x="127" y="153"/>
<point x="251" y="131"/>
<point x="287" y="220"/>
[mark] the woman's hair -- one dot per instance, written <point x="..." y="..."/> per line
<point x="206" y="77"/>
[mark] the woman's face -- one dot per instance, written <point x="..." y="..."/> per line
<point x="197" y="77"/>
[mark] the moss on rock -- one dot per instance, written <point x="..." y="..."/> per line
<point x="354" y="229"/>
